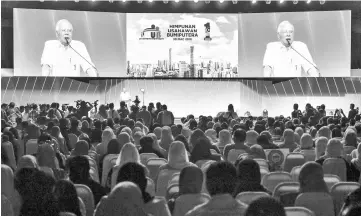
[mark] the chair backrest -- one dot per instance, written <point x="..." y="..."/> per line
<point x="348" y="149"/>
<point x="94" y="174"/>
<point x="92" y="163"/>
<point x="295" y="172"/>
<point x="263" y="172"/>
<point x="339" y="192"/>
<point x="93" y="155"/>
<point x="31" y="146"/>
<point x="293" y="160"/>
<point x="150" y="187"/>
<point x="298" y="211"/>
<point x="233" y="155"/>
<point x="73" y="140"/>
<point x="221" y="148"/>
<point x="47" y="170"/>
<point x="284" y="188"/>
<point x="162" y="181"/>
<point x="144" y="157"/>
<point x="272" y="179"/>
<point x="153" y="165"/>
<point x="262" y="163"/>
<point x="248" y="197"/>
<point x="107" y="167"/>
<point x="171" y="190"/>
<point x="331" y="180"/>
<point x="201" y="163"/>
<point x="335" y="166"/>
<point x="214" y="151"/>
<point x="320" y="203"/>
<point x="310" y="155"/>
<point x="174" y="179"/>
<point x="86" y="195"/>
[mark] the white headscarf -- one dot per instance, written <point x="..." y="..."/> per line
<point x="178" y="157"/>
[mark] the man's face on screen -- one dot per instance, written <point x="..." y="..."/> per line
<point x="65" y="31"/>
<point x="286" y="34"/>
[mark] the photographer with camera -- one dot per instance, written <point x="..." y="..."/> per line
<point x="123" y="111"/>
<point x="353" y="112"/>
<point x="296" y="113"/>
<point x="112" y="113"/>
<point x="83" y="108"/>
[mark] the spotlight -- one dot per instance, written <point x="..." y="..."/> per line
<point x="41" y="0"/>
<point x="254" y="1"/>
<point x="165" y="1"/>
<point x="111" y="1"/>
<point x="295" y="1"/>
<point x="74" y="0"/>
<point x="207" y="1"/>
<point x="142" y="90"/>
<point x="322" y="2"/>
<point x="124" y="0"/>
<point x="281" y="1"/>
<point x="309" y="1"/>
<point x="176" y="1"/>
<point x="268" y="1"/>
<point x="139" y="1"/>
<point x="195" y="1"/>
<point x="221" y="1"/>
<point x="150" y="0"/>
<point x="234" y="1"/>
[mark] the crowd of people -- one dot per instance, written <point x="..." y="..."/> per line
<point x="46" y="154"/>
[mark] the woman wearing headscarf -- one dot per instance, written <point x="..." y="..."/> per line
<point x="129" y="153"/>
<point x="289" y="140"/>
<point x="313" y="132"/>
<point x="7" y="152"/>
<point x="251" y="138"/>
<point x="15" y="143"/>
<point x="324" y="132"/>
<point x="189" y="195"/>
<point x="249" y="177"/>
<point x="27" y="161"/>
<point x="158" y="132"/>
<point x="212" y="135"/>
<point x="299" y="131"/>
<point x="256" y="151"/>
<point x="197" y="134"/>
<point x="81" y="148"/>
<point x="177" y="157"/>
<point x="125" y="199"/>
<point x="128" y="131"/>
<point x="357" y="161"/>
<point x="186" y="132"/>
<point x="79" y="167"/>
<point x="184" y="140"/>
<point x="350" y="138"/>
<point x="146" y="146"/>
<point x="166" y="138"/>
<point x="306" y="143"/>
<point x="202" y="151"/>
<point x="66" y="197"/>
<point x="320" y="147"/>
<point x="55" y="133"/>
<point x="264" y="141"/>
<point x="85" y="128"/>
<point x="310" y="179"/>
<point x="225" y="138"/>
<point x="297" y="138"/>
<point x="210" y="125"/>
<point x="46" y="157"/>
<point x="135" y="173"/>
<point x="156" y="145"/>
<point x="7" y="183"/>
<point x="334" y="149"/>
<point x="145" y="129"/>
<point x="102" y="147"/>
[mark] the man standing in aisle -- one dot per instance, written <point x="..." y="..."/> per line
<point x="286" y="57"/>
<point x="165" y="117"/>
<point x="65" y="56"/>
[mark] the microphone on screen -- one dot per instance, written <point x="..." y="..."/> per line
<point x="289" y="43"/>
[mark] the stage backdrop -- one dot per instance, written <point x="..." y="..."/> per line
<point x="327" y="35"/>
<point x="104" y="35"/>
<point x="189" y="45"/>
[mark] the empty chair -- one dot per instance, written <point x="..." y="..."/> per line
<point x="310" y="155"/>
<point x="298" y="211"/>
<point x="73" y="140"/>
<point x="86" y="195"/>
<point x="320" y="203"/>
<point x="340" y="191"/>
<point x="293" y="160"/>
<point x="162" y="181"/>
<point x="272" y="179"/>
<point x="233" y="155"/>
<point x="331" y="180"/>
<point x="31" y="146"/>
<point x="153" y="165"/>
<point x="262" y="163"/>
<point x="284" y="188"/>
<point x="295" y="172"/>
<point x="150" y="187"/>
<point x="248" y="197"/>
<point x="144" y="157"/>
<point x="335" y="166"/>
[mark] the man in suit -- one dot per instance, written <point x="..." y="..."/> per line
<point x="281" y="59"/>
<point x="59" y="57"/>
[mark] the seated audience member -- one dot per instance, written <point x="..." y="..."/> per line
<point x="265" y="206"/>
<point x="289" y="140"/>
<point x="157" y="147"/>
<point x="334" y="149"/>
<point x="202" y="151"/>
<point x="336" y="133"/>
<point x="107" y="135"/>
<point x="175" y="130"/>
<point x="320" y="147"/>
<point x="249" y="177"/>
<point x="135" y="173"/>
<point x="306" y="143"/>
<point x="85" y="128"/>
<point x="221" y="182"/>
<point x="27" y="161"/>
<point x="266" y="142"/>
<point x="212" y="135"/>
<point x="177" y="157"/>
<point x="225" y="138"/>
<point x="96" y="133"/>
<point x="297" y="138"/>
<point x="310" y="179"/>
<point x="189" y="196"/>
<point x="350" y="138"/>
<point x="137" y="136"/>
<point x="146" y="144"/>
<point x="257" y="152"/>
<point x="357" y="161"/>
<point x="277" y="134"/>
<point x="251" y="138"/>
<point x="239" y="138"/>
<point x="74" y="129"/>
<point x="66" y="197"/>
<point x="299" y="131"/>
<point x="184" y="140"/>
<point x="7" y="152"/>
<point x="166" y="138"/>
<point x="81" y="148"/>
<point x="78" y="167"/>
<point x="352" y="200"/>
<point x="46" y="157"/>
<point x="324" y="132"/>
<point x="124" y="199"/>
<point x="123" y="138"/>
<point x="197" y="134"/>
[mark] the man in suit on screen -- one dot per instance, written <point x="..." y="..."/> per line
<point x="59" y="57"/>
<point x="284" y="57"/>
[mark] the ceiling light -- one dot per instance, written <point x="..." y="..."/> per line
<point x="295" y="1"/>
